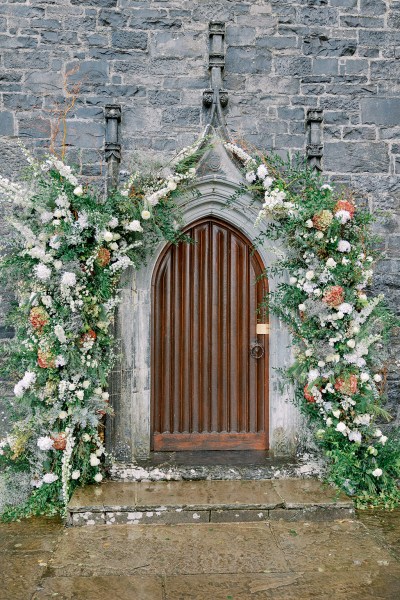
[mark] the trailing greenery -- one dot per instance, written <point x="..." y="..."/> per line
<point x="326" y="253"/>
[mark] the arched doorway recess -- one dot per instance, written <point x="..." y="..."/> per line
<point x="209" y="368"/>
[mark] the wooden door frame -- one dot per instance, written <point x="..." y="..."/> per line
<point x="238" y="441"/>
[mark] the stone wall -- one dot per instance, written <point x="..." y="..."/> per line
<point x="282" y="57"/>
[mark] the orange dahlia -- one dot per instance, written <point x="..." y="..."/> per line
<point x="307" y="395"/>
<point x="345" y="205"/>
<point x="45" y="359"/>
<point x="59" y="441"/>
<point x="103" y="257"/>
<point x="347" y="385"/>
<point x="322" y="220"/>
<point x="38" y="318"/>
<point x="334" y="296"/>
<point x="88" y="337"/>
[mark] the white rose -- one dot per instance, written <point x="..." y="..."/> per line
<point x="78" y="191"/>
<point x="336" y="413"/>
<point x="124" y="193"/>
<point x="342" y="427"/>
<point x="62" y="415"/>
<point x="107" y="236"/>
<point x="351" y="343"/>
<point x="377" y="378"/>
<point x="331" y="263"/>
<point x="309" y="224"/>
<point x="86" y="437"/>
<point x="319" y="235"/>
<point x="251" y="176"/>
<point x="75" y="474"/>
<point x="80" y="394"/>
<point x="302" y="307"/>
<point x="58" y="265"/>
<point x="94" y="461"/>
<point x="321" y="363"/>
<point x="377" y="472"/>
<point x="268" y="181"/>
<point x="383" y="440"/>
<point x="329" y="422"/>
<point x="86" y="384"/>
<point x="339" y="315"/>
<point x="293" y="280"/>
<point x="262" y="171"/>
<point x="145" y="214"/>
<point x="309" y="352"/>
<point x="98" y="477"/>
<point x="310" y="275"/>
<point x="105" y="395"/>
<point x="364" y="377"/>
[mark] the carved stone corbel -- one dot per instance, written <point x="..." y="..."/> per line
<point x="112" y="148"/>
<point x="315" y="148"/>
<point x="216" y="97"/>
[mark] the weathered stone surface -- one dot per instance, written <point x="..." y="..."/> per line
<point x="99" y="588"/>
<point x="380" y="111"/>
<point x="356" y="157"/>
<point x="6" y="123"/>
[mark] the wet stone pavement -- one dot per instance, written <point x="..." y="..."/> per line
<point x="340" y="559"/>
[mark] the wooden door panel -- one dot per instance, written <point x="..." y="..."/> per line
<point x="207" y="391"/>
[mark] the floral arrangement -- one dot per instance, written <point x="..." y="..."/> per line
<point x="64" y="266"/>
<point x="339" y="330"/>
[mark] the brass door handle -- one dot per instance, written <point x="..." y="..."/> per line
<point x="256" y="350"/>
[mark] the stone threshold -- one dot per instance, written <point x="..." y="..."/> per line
<point x="213" y="501"/>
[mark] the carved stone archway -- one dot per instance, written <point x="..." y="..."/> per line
<point x="128" y="435"/>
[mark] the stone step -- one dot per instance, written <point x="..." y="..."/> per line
<point x="207" y="502"/>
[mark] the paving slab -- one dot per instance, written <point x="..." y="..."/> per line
<point x="166" y="549"/>
<point x="376" y="585"/>
<point x="300" y="493"/>
<point x="101" y="588"/>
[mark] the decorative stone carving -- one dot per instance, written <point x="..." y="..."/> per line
<point x="112" y="147"/>
<point x="315" y="149"/>
<point x="216" y="28"/>
<point x="216" y="59"/>
<point x="223" y="97"/>
<point x="208" y="97"/>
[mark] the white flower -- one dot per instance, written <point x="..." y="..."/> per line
<point x="343" y="216"/>
<point x="293" y="280"/>
<point x="329" y="422"/>
<point x="326" y="186"/>
<point x="251" y="176"/>
<point x="362" y="419"/>
<point x="60" y="334"/>
<point x="45" y="443"/>
<point x="98" y="477"/>
<point x="377" y="473"/>
<point x="321" y="363"/>
<point x="268" y="181"/>
<point x="364" y="376"/>
<point x="377" y="378"/>
<point x="78" y="191"/>
<point x="309" y="352"/>
<point x="80" y="394"/>
<point x="171" y="185"/>
<point x="42" y="272"/>
<point x="62" y="415"/>
<point x="68" y="279"/>
<point x="107" y="236"/>
<point x="383" y="440"/>
<point x="310" y="275"/>
<point x="124" y="193"/>
<point x="355" y="436"/>
<point x="336" y="413"/>
<point x="49" y="478"/>
<point x="113" y="222"/>
<point x="378" y="433"/>
<point x="86" y="437"/>
<point x="60" y="361"/>
<point x="105" y="395"/>
<point x="302" y="307"/>
<point x="134" y="226"/>
<point x="145" y="214"/>
<point x="86" y="384"/>
<point x="331" y="263"/>
<point x="342" y="427"/>
<point x="309" y="224"/>
<point x="344" y="246"/>
<point x="46" y="216"/>
<point x="339" y="315"/>
<point x="351" y="343"/>
<point x="313" y="374"/>
<point x="262" y="171"/>
<point x="19" y="390"/>
<point x="75" y="474"/>
<point x="58" y="265"/>
<point x="94" y="461"/>
<point x="319" y="235"/>
<point x="345" y="308"/>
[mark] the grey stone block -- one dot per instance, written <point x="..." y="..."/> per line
<point x="129" y="40"/>
<point x="6" y="123"/>
<point x="17" y="42"/>
<point x="111" y="18"/>
<point x="326" y="66"/>
<point x="240" y="36"/>
<point x="182" y="116"/>
<point x="380" y="111"/>
<point x="34" y="127"/>
<point x="85" y="134"/>
<point x="57" y="37"/>
<point x="97" y="3"/>
<point x="356" y="157"/>
<point x="293" y="65"/>
<point x="178" y="45"/>
<point x="88" y="71"/>
<point x="320" y="45"/>
<point x="154" y="23"/>
<point x="373" y="7"/>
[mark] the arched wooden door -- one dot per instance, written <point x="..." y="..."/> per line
<point x="209" y="382"/>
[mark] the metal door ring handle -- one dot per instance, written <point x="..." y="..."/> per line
<point x="256" y="350"/>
